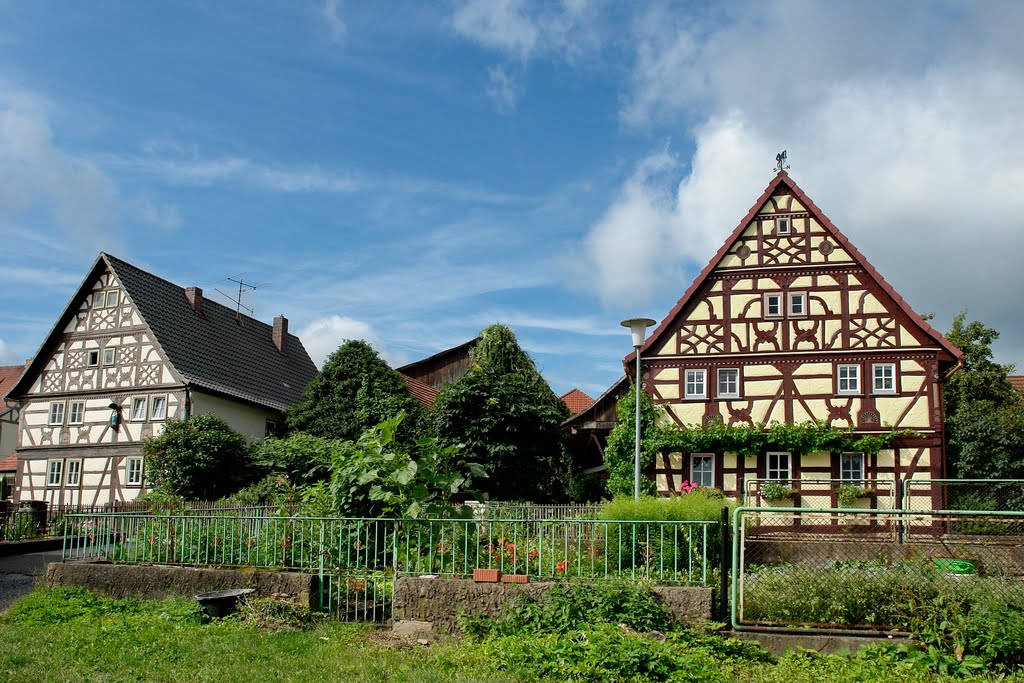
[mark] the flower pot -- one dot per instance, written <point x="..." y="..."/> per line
<point x="487" y="575"/>
<point x="515" y="578"/>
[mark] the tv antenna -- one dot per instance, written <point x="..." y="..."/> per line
<point x="243" y="288"/>
<point x="780" y="161"/>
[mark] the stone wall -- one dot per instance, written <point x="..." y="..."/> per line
<point x="438" y="601"/>
<point x="152" y="582"/>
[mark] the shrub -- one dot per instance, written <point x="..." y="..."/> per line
<point x="198" y="458"/>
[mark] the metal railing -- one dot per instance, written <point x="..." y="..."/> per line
<point x="859" y="576"/>
<point x="878" y="494"/>
<point x="529" y="511"/>
<point x="964" y="494"/>
<point x="358" y="559"/>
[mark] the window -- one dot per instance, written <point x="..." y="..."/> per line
<point x="773" y="305"/>
<point x="728" y="383"/>
<point x="781" y="226"/>
<point x="702" y="469"/>
<point x="134" y="477"/>
<point x="138" y="413"/>
<point x="851" y="466"/>
<point x="158" y="408"/>
<point x="695" y="384"/>
<point x="108" y="356"/>
<point x="53" y="470"/>
<point x="74" y="476"/>
<point x="56" y="413"/>
<point x="797" y="304"/>
<point x="76" y="413"/>
<point x="111" y="300"/>
<point x="883" y="378"/>
<point x="779" y="466"/>
<point x="270" y="429"/>
<point x="848" y="379"/>
<point x="92" y="358"/>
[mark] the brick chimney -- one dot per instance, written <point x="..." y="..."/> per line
<point x="281" y="333"/>
<point x="195" y="297"/>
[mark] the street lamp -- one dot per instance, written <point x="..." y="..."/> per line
<point x="638" y="328"/>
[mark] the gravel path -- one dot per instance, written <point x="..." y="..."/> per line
<point x="19" y="574"/>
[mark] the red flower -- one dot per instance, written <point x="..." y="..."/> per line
<point x="533" y="554"/>
<point x="562" y="566"/>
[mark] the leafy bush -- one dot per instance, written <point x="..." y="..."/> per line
<point x="773" y="491"/>
<point x="303" y="458"/>
<point x="273" y="489"/>
<point x="570" y="606"/>
<point x="198" y="458"/>
<point x="699" y="504"/>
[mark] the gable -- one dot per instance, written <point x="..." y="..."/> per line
<point x="785" y="246"/>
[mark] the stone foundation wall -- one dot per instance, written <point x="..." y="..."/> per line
<point x="438" y="601"/>
<point x="152" y="582"/>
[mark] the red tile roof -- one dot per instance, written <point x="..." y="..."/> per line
<point x="9" y="374"/>
<point x="421" y="391"/>
<point x="577" y="401"/>
<point x="10" y="463"/>
<point x="1017" y="381"/>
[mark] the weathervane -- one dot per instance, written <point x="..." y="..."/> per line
<point x="780" y="161"/>
<point x="243" y="288"/>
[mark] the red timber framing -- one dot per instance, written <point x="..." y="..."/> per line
<point x="789" y="322"/>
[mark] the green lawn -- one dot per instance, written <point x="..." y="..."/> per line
<point x="67" y="635"/>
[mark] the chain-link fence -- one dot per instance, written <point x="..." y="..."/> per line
<point x="1002" y="495"/>
<point x="878" y="494"/>
<point x="869" y="570"/>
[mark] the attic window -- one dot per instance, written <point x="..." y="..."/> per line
<point x="782" y="226"/>
<point x="111" y="299"/>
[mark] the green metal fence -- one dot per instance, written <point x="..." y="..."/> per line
<point x="357" y="560"/>
<point x="964" y="494"/>
<point x="855" y="570"/>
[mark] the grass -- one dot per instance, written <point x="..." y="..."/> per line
<point x="72" y="635"/>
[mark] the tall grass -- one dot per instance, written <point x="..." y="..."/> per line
<point x="698" y="505"/>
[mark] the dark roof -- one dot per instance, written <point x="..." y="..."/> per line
<point x="783" y="180"/>
<point x="576" y="401"/>
<point x="215" y="351"/>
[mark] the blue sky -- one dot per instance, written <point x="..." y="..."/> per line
<point x="409" y="173"/>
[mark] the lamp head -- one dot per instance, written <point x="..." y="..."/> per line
<point x="638" y="328"/>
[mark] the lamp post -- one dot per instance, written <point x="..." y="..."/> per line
<point x="638" y="328"/>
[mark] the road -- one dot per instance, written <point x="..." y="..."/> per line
<point x="19" y="574"/>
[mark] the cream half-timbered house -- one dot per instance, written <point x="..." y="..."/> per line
<point x="790" y="323"/>
<point x="130" y="352"/>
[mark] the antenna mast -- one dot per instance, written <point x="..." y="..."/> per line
<point x="243" y="288"/>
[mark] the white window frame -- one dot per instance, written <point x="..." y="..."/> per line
<point x="73" y="473"/>
<point x="113" y="356"/>
<point x="735" y="393"/>
<point x="848" y="373"/>
<point x="92" y="358"/>
<point x="72" y="420"/>
<point x="784" y="226"/>
<point x="152" y="408"/>
<point x="55" y="418"/>
<point x="690" y="377"/>
<point x="773" y="468"/>
<point x="132" y="412"/>
<point x="54" y="473"/>
<point x="694" y="458"/>
<point x="891" y="389"/>
<point x="860" y="466"/>
<point x="133" y="471"/>
<point x="777" y="298"/>
<point x="106" y="299"/>
<point x="791" y="299"/>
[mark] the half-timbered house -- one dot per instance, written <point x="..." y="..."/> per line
<point x="130" y="352"/>
<point x="790" y="323"/>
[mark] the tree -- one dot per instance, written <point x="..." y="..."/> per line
<point x="302" y="458"/>
<point x="984" y="414"/>
<point x="620" y="451"/>
<point x="198" y="458"/>
<point x="354" y="391"/>
<point x="506" y="417"/>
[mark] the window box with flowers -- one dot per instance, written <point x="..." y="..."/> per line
<point x="774" y="492"/>
<point x="852" y="496"/>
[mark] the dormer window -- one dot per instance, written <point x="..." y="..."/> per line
<point x="782" y="226"/>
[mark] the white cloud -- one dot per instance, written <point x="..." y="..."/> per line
<point x="335" y="26"/>
<point x="8" y="356"/>
<point x="502" y="89"/>
<point x="502" y="25"/>
<point x="323" y="336"/>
